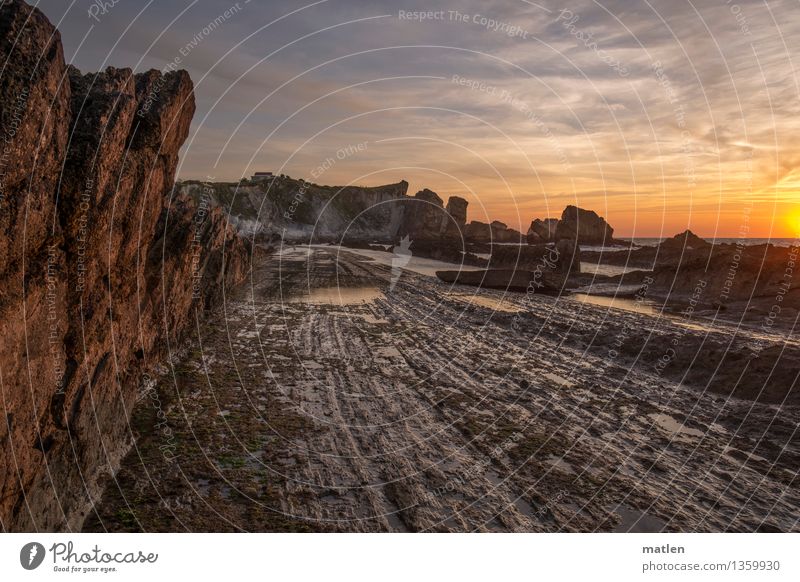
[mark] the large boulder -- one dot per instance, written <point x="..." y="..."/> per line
<point x="425" y="216"/>
<point x="585" y="226"/>
<point x="457" y="209"/>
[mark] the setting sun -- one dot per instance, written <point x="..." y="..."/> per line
<point x="793" y="223"/>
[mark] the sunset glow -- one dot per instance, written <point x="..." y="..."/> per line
<point x="658" y="127"/>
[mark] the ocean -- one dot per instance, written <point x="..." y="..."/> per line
<point x="779" y="242"/>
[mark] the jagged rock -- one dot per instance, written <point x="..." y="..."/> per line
<point x="542" y="231"/>
<point x="112" y="272"/>
<point x="300" y="211"/>
<point x="34" y="126"/>
<point x="457" y="209"/>
<point x="583" y="225"/>
<point x="425" y="216"/>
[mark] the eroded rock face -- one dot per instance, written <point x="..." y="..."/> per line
<point x="457" y="209"/>
<point x="301" y="211"/>
<point x="111" y="267"/>
<point x="425" y="216"/>
<point x="35" y="113"/>
<point x="585" y="226"/>
<point x="542" y="231"/>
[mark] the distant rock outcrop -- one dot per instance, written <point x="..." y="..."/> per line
<point x="100" y="265"/>
<point x="684" y="245"/>
<point x="542" y="231"/>
<point x="457" y="209"/>
<point x="300" y="211"/>
<point x="496" y="232"/>
<point x="585" y="226"/>
<point x="425" y="216"/>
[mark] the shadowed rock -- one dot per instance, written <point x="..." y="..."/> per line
<point x="585" y="226"/>
<point x="115" y="266"/>
<point x="542" y="231"/>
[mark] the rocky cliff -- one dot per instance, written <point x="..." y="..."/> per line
<point x="101" y="268"/>
<point x="301" y="211"/>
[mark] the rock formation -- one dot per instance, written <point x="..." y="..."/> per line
<point x="457" y="209"/>
<point x="300" y="211"/>
<point x="496" y="232"/>
<point x="542" y="231"/>
<point x="102" y="269"/>
<point x="425" y="216"/>
<point x="585" y="226"/>
<point x="682" y="246"/>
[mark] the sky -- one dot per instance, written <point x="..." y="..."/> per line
<point x="659" y="115"/>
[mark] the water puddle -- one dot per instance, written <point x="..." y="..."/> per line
<point x="634" y="521"/>
<point x="525" y="508"/>
<point x="487" y="301"/>
<point x="338" y="296"/>
<point x="606" y="270"/>
<point x="418" y="265"/>
<point x="674" y="429"/>
<point x="632" y="305"/>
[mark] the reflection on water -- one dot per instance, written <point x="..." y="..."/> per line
<point x="338" y="296"/>
<point x="646" y="307"/>
<point x="493" y="303"/>
<point x="607" y="270"/>
<point x="634" y="521"/>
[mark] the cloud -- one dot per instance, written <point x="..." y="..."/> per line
<point x="721" y="116"/>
